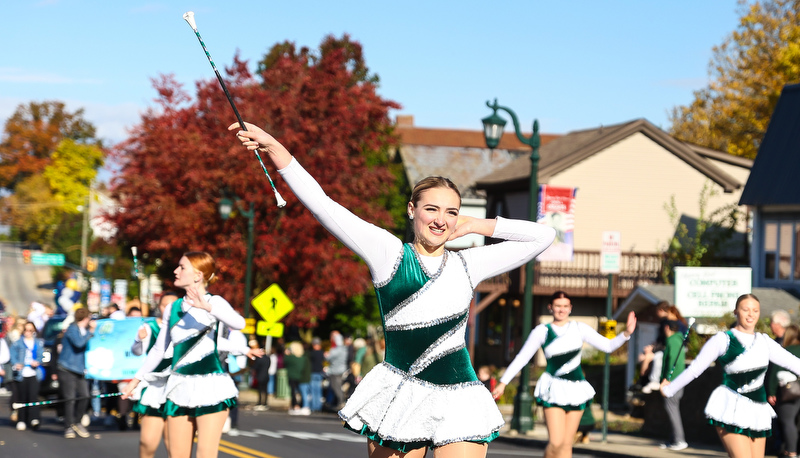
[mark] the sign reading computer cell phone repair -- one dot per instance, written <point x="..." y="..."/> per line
<point x="710" y="291"/>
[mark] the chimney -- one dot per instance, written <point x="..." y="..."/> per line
<point x="405" y="121"/>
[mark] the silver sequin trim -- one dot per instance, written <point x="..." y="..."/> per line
<point x="381" y="284"/>
<point x="177" y="363"/>
<point x="747" y="349"/>
<point x="422" y="324"/>
<point x="466" y="269"/>
<point x="407" y="377"/>
<point x="418" y="293"/>
<point x="422" y="362"/>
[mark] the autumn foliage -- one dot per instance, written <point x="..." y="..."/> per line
<point x="181" y="159"/>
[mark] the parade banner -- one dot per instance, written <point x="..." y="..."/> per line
<point x="108" y="354"/>
<point x="557" y="210"/>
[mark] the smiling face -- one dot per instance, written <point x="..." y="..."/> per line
<point x="560" y="308"/>
<point x="435" y="215"/>
<point x="747" y="312"/>
<point x="185" y="274"/>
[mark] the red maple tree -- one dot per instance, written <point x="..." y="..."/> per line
<point x="180" y="160"/>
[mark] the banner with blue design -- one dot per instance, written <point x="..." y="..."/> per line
<point x="108" y="354"/>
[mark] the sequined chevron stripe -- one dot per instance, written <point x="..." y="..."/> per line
<point x="556" y="362"/>
<point x="155" y="328"/>
<point x="432" y="351"/>
<point x="749" y="384"/>
<point x="209" y="363"/>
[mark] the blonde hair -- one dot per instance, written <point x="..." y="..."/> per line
<point x="296" y="348"/>
<point x="433" y="182"/>
<point x="203" y="263"/>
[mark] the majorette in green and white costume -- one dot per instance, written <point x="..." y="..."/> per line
<point x="195" y="383"/>
<point x="739" y="405"/>
<point x="562" y="384"/>
<point x="425" y="392"/>
<point x="153" y="328"/>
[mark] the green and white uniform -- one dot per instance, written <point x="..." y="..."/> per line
<point x="739" y="405"/>
<point x="195" y="383"/>
<point x="153" y="329"/>
<point x="562" y="384"/>
<point x="426" y="392"/>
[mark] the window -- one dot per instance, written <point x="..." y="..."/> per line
<point x="782" y="249"/>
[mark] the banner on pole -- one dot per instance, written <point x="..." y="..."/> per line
<point x="557" y="210"/>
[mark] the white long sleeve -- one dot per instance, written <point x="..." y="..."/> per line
<point x="222" y="311"/>
<point x="713" y="349"/>
<point x="780" y="356"/>
<point x="377" y="247"/>
<point x="600" y="342"/>
<point x="538" y="336"/>
<point x="534" y="341"/>
<point x="524" y="240"/>
<point x="156" y="353"/>
<point x="5" y="353"/>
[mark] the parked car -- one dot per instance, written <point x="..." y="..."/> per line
<point x="51" y="334"/>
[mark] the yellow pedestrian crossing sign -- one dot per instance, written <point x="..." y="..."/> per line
<point x="272" y="304"/>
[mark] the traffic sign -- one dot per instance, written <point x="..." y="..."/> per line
<point x="610" y="252"/>
<point x="249" y="326"/>
<point x="272" y="304"/>
<point x="48" y="259"/>
<point x="269" y="329"/>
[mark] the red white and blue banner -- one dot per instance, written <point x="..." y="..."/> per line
<point x="557" y="210"/>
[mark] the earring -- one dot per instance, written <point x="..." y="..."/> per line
<point x="411" y="216"/>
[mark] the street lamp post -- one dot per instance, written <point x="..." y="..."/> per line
<point x="493" y="125"/>
<point x="225" y="209"/>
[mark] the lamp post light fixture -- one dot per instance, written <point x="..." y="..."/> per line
<point x="225" y="210"/>
<point x="493" y="125"/>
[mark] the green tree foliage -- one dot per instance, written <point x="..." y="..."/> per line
<point x="747" y="73"/>
<point x="708" y="243"/>
<point x="41" y="201"/>
<point x="324" y="107"/>
<point x="32" y="134"/>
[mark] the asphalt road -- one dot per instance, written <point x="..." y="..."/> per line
<point x="18" y="281"/>
<point x="271" y="434"/>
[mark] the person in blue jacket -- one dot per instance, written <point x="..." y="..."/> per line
<point x="72" y="371"/>
<point x="26" y="361"/>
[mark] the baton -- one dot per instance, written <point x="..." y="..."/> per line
<point x="22" y="405"/>
<point x="683" y="345"/>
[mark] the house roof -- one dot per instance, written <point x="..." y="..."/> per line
<point x="644" y="296"/>
<point x="566" y="151"/>
<point x="460" y="155"/>
<point x="774" y="177"/>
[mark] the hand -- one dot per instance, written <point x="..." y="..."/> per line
<point x="142" y="333"/>
<point x="34" y="364"/>
<point x="630" y="326"/>
<point x="498" y="391"/>
<point x="126" y="393"/>
<point x="256" y="138"/>
<point x="470" y="225"/>
<point x="17" y="367"/>
<point x="772" y="400"/>
<point x="195" y="296"/>
<point x="254" y="353"/>
<point x="663" y="385"/>
<point x="92" y="325"/>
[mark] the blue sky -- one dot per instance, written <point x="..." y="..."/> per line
<point x="571" y="64"/>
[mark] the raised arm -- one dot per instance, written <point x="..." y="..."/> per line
<point x="524" y="240"/>
<point x="376" y="246"/>
<point x="603" y="343"/>
<point x="534" y="341"/>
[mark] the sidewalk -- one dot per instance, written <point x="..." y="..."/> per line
<point x="617" y="444"/>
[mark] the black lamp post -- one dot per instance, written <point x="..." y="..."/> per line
<point x="225" y="209"/>
<point x="493" y="125"/>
